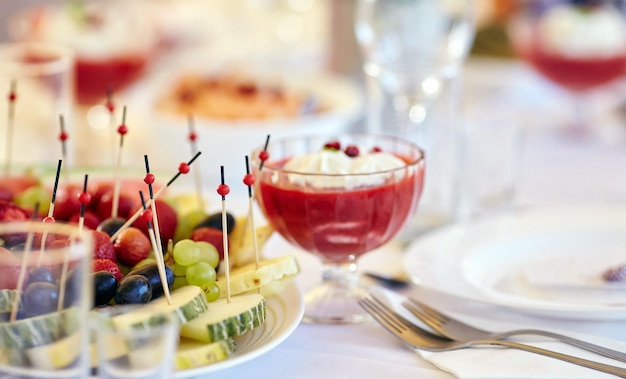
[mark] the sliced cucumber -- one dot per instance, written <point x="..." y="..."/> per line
<point x="192" y="353"/>
<point x="39" y="330"/>
<point x="188" y="302"/>
<point x="59" y="354"/>
<point x="226" y="319"/>
<point x="7" y="297"/>
<point x="249" y="277"/>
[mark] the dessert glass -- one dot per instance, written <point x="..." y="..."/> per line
<point x="338" y="217"/>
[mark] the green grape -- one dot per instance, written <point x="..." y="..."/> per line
<point x="179" y="270"/>
<point x="212" y="292"/>
<point x="179" y="281"/>
<point x="208" y="253"/>
<point x="33" y="195"/>
<point x="187" y="223"/>
<point x="200" y="274"/>
<point x="186" y="252"/>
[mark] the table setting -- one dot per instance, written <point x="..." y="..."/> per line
<point x="440" y="213"/>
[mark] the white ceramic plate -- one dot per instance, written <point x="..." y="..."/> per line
<point x="284" y="314"/>
<point x="547" y="262"/>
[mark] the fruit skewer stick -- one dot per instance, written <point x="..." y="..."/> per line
<point x="223" y="190"/>
<point x="158" y="252"/>
<point x="193" y="141"/>
<point x="121" y="130"/>
<point x="50" y="217"/>
<point x="147" y="216"/>
<point x="249" y="180"/>
<point x="22" y="274"/>
<point x="83" y="198"/>
<point x="63" y="136"/>
<point x="10" y="127"/>
<point x="263" y="156"/>
<point x="110" y="106"/>
<point x="181" y="167"/>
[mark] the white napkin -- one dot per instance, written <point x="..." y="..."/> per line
<point x="506" y="363"/>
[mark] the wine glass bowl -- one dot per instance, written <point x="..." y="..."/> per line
<point x="338" y="207"/>
<point x="579" y="46"/>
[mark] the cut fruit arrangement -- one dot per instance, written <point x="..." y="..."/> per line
<point x="161" y="253"/>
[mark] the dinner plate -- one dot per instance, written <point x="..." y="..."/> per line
<point x="547" y="262"/>
<point x="284" y="313"/>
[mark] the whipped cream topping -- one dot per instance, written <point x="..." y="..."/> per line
<point x="340" y="170"/>
<point x="572" y="31"/>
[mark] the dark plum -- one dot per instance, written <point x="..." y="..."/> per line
<point x="111" y="225"/>
<point x="40" y="298"/>
<point x="40" y="274"/>
<point x="104" y="286"/>
<point x="151" y="272"/>
<point x="133" y="289"/>
<point x="215" y="221"/>
<point x="73" y="288"/>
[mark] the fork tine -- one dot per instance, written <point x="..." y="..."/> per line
<point x="425" y="316"/>
<point x="428" y="309"/>
<point x="381" y="316"/>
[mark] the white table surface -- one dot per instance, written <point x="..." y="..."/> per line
<point x="555" y="171"/>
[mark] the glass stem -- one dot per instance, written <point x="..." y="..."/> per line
<point x="344" y="274"/>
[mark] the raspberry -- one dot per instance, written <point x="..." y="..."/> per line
<point x="107" y="265"/>
<point x="333" y="145"/>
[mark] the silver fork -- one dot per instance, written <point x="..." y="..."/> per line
<point x="418" y="338"/>
<point x="459" y="331"/>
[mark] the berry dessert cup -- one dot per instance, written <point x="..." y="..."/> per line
<point x="338" y="197"/>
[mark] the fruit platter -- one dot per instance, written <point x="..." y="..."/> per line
<point x="180" y="268"/>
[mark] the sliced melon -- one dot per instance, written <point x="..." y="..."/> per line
<point x="249" y="277"/>
<point x="59" y="354"/>
<point x="241" y="249"/>
<point x="192" y="353"/>
<point x="39" y="330"/>
<point x="226" y="319"/>
<point x="188" y="302"/>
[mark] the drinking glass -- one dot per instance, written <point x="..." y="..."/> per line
<point x="413" y="51"/>
<point x="578" y="45"/>
<point x="338" y="215"/>
<point x="45" y="297"/>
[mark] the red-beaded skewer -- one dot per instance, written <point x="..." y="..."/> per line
<point x="193" y="141"/>
<point x="12" y="97"/>
<point x="121" y="130"/>
<point x="22" y="274"/>
<point x="83" y="198"/>
<point x="158" y="253"/>
<point x="63" y="137"/>
<point x="183" y="168"/>
<point x="249" y="180"/>
<point x="147" y="216"/>
<point x="50" y="216"/>
<point x="110" y="106"/>
<point x="224" y="190"/>
<point x="264" y="154"/>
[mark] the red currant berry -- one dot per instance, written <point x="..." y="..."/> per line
<point x="146" y="215"/>
<point x="122" y="129"/>
<point x="63" y="136"/>
<point x="223" y="190"/>
<point x="333" y="145"/>
<point x="352" y="151"/>
<point x="48" y="219"/>
<point x="249" y="179"/>
<point x="84" y="198"/>
<point x="12" y="97"/>
<point x="183" y="168"/>
<point x="376" y="149"/>
<point x="264" y="155"/>
<point x="149" y="178"/>
<point x="192" y="136"/>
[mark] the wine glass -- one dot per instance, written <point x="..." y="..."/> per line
<point x="338" y="197"/>
<point x="579" y="45"/>
<point x="413" y="51"/>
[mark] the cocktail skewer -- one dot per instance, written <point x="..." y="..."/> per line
<point x="193" y="141"/>
<point x="158" y="253"/>
<point x="147" y="215"/>
<point x="63" y="136"/>
<point x="264" y="155"/>
<point x="224" y="190"/>
<point x="136" y="215"/>
<point x="12" y="97"/>
<point x="22" y="274"/>
<point x="50" y="217"/>
<point x="83" y="198"/>
<point x="121" y="130"/>
<point x="110" y="106"/>
<point x="249" y="180"/>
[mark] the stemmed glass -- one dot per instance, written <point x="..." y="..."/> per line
<point x="579" y="45"/>
<point x="413" y="51"/>
<point x="338" y="206"/>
